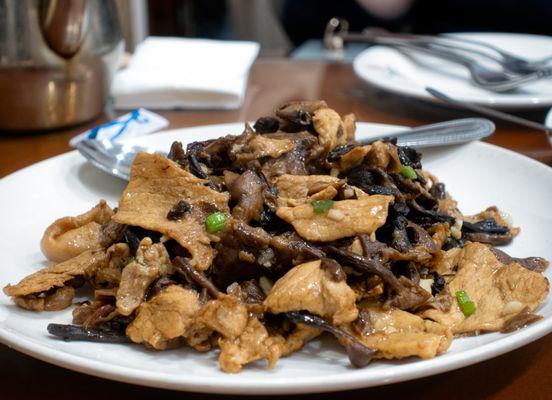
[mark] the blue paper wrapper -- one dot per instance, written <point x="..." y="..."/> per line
<point x="139" y="122"/>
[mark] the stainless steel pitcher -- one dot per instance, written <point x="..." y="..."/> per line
<point x="57" y="59"/>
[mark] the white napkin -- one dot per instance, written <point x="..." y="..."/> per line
<point x="167" y="73"/>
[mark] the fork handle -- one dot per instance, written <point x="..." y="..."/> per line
<point x="444" y="133"/>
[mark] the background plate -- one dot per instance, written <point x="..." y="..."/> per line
<point x="408" y="74"/>
<point x="477" y="174"/>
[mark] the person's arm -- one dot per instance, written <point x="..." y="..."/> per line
<point x="386" y="9"/>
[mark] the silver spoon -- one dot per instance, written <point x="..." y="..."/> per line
<point x="116" y="158"/>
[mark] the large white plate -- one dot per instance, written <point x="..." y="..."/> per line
<point x="397" y="72"/>
<point x="477" y="174"/>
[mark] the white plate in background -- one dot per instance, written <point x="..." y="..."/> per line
<point x="477" y="175"/>
<point x="394" y="71"/>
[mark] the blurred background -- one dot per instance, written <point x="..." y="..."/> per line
<point x="285" y="27"/>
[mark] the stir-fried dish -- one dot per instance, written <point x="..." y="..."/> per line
<point x="256" y="244"/>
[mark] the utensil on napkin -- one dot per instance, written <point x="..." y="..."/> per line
<point x="179" y="73"/>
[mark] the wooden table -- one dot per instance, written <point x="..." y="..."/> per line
<point x="523" y="373"/>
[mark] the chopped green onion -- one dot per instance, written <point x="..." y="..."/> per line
<point x="408" y="172"/>
<point x="466" y="305"/>
<point x="321" y="206"/>
<point x="215" y="222"/>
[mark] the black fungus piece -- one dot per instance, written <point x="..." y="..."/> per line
<point x="179" y="210"/>
<point x="193" y="276"/>
<point x="407" y="294"/>
<point x="537" y="264"/>
<point x="495" y="239"/>
<point x="377" y="189"/>
<point x="371" y="249"/>
<point x="399" y="236"/>
<point x="438" y="191"/>
<point x="296" y="114"/>
<point x="76" y="282"/>
<point x="177" y="154"/>
<point x="366" y="265"/>
<point x="266" y="219"/>
<point x="97" y="334"/>
<point x="521" y="320"/>
<point x="361" y="177"/>
<point x="359" y="354"/>
<point x="192" y="152"/>
<point x="134" y="234"/>
<point x="253" y="292"/>
<point x="451" y="243"/>
<point x="247" y="192"/>
<point x="424" y="216"/>
<point x="388" y="139"/>
<point x="374" y="181"/>
<point x="290" y="249"/>
<point x="339" y="151"/>
<point x="438" y="284"/>
<point x="409" y="156"/>
<point x="394" y="231"/>
<point x="333" y="269"/>
<point x="363" y="324"/>
<point x="111" y="232"/>
<point x="418" y="236"/>
<point x="266" y="125"/>
<point x="485" y="226"/>
<point x="487" y="231"/>
<point x="159" y="285"/>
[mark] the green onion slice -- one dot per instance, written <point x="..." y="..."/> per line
<point x="408" y="172"/>
<point x="466" y="305"/>
<point x="321" y="206"/>
<point x="215" y="222"/>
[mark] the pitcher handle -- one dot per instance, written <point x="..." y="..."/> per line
<point x="63" y="25"/>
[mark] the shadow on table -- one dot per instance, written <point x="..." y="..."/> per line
<point x="24" y="377"/>
<point x="411" y="108"/>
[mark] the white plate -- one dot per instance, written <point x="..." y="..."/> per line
<point x="477" y="174"/>
<point x="394" y="71"/>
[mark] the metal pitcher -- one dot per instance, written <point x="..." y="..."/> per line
<point x="57" y="59"/>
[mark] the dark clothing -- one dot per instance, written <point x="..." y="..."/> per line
<point x="306" y="19"/>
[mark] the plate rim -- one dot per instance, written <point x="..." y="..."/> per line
<point x="351" y="379"/>
<point x="494" y="100"/>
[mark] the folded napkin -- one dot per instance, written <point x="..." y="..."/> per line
<point x="167" y="73"/>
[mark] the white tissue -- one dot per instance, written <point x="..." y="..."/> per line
<point x="176" y="73"/>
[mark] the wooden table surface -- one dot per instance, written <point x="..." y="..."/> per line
<point x="523" y="373"/>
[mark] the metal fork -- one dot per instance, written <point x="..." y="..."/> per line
<point x="508" y="61"/>
<point x="116" y="158"/>
<point x="511" y="61"/>
<point x="480" y="75"/>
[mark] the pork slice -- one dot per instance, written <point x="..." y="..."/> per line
<point x="294" y="190"/>
<point x="309" y="287"/>
<point x="498" y="291"/>
<point x="161" y="321"/>
<point x="225" y="315"/>
<point x="399" y="334"/>
<point x="254" y="343"/>
<point x="156" y="186"/>
<point x="57" y="276"/>
<point x="109" y="276"/>
<point x="379" y="154"/>
<point x="151" y="262"/>
<point x="68" y="237"/>
<point x="260" y="146"/>
<point x="327" y="123"/>
<point x="346" y="218"/>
